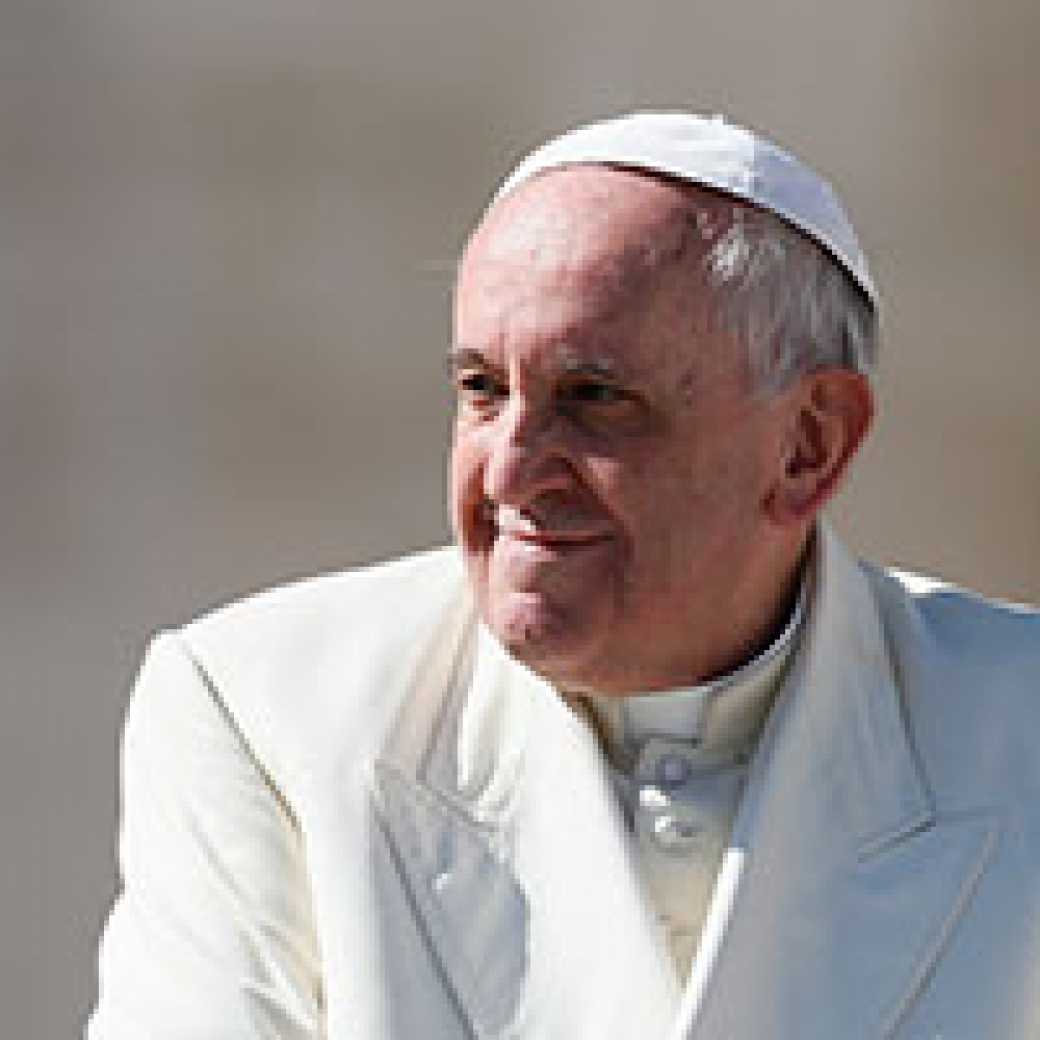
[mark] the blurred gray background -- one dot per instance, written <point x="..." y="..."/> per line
<point x="227" y="232"/>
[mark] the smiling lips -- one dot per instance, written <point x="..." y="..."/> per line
<point x="518" y="526"/>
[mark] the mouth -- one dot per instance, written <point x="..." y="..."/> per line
<point x="516" y="526"/>
<point x="552" y="539"/>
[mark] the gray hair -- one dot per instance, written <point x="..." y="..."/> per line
<point x="787" y="298"/>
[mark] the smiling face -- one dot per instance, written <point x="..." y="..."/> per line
<point x="610" y="463"/>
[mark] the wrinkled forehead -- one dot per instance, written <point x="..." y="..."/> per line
<point x="613" y="223"/>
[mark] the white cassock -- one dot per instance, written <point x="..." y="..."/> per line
<point x="348" y="814"/>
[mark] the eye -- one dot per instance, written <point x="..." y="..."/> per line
<point x="593" y="392"/>
<point x="478" y="388"/>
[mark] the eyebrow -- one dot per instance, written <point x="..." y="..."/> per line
<point x="597" y="367"/>
<point x="601" y="368"/>
<point x="464" y="357"/>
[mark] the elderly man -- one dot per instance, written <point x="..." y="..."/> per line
<point x="646" y="756"/>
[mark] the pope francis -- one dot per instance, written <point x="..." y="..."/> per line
<point x="645" y="755"/>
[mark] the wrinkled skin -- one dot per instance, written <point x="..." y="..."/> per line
<point x="622" y="496"/>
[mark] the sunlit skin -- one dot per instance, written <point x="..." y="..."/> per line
<point x="632" y="513"/>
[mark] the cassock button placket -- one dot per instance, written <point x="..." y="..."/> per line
<point x="685" y="798"/>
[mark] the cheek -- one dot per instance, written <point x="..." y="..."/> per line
<point x="462" y="472"/>
<point x="466" y="465"/>
<point x="679" y="511"/>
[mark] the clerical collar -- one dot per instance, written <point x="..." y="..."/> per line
<point x="721" y="718"/>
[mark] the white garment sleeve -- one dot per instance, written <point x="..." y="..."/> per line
<point x="212" y="936"/>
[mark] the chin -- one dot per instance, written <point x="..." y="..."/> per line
<point x="558" y="644"/>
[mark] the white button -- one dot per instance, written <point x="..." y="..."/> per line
<point x="673" y="770"/>
<point x="651" y="798"/>
<point x="674" y="833"/>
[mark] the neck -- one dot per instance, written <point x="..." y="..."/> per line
<point x="729" y="635"/>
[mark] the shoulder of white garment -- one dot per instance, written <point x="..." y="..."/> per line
<point x="308" y="669"/>
<point x="236" y="720"/>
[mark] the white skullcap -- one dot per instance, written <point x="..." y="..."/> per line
<point x="719" y="155"/>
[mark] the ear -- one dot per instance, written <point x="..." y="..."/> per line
<point x="829" y="414"/>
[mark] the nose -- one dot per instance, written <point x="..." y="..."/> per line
<point x="527" y="454"/>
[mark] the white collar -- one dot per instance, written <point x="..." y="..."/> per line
<point x="722" y="717"/>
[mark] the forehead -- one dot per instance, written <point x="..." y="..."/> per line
<point x="590" y="216"/>
<point x="580" y="261"/>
